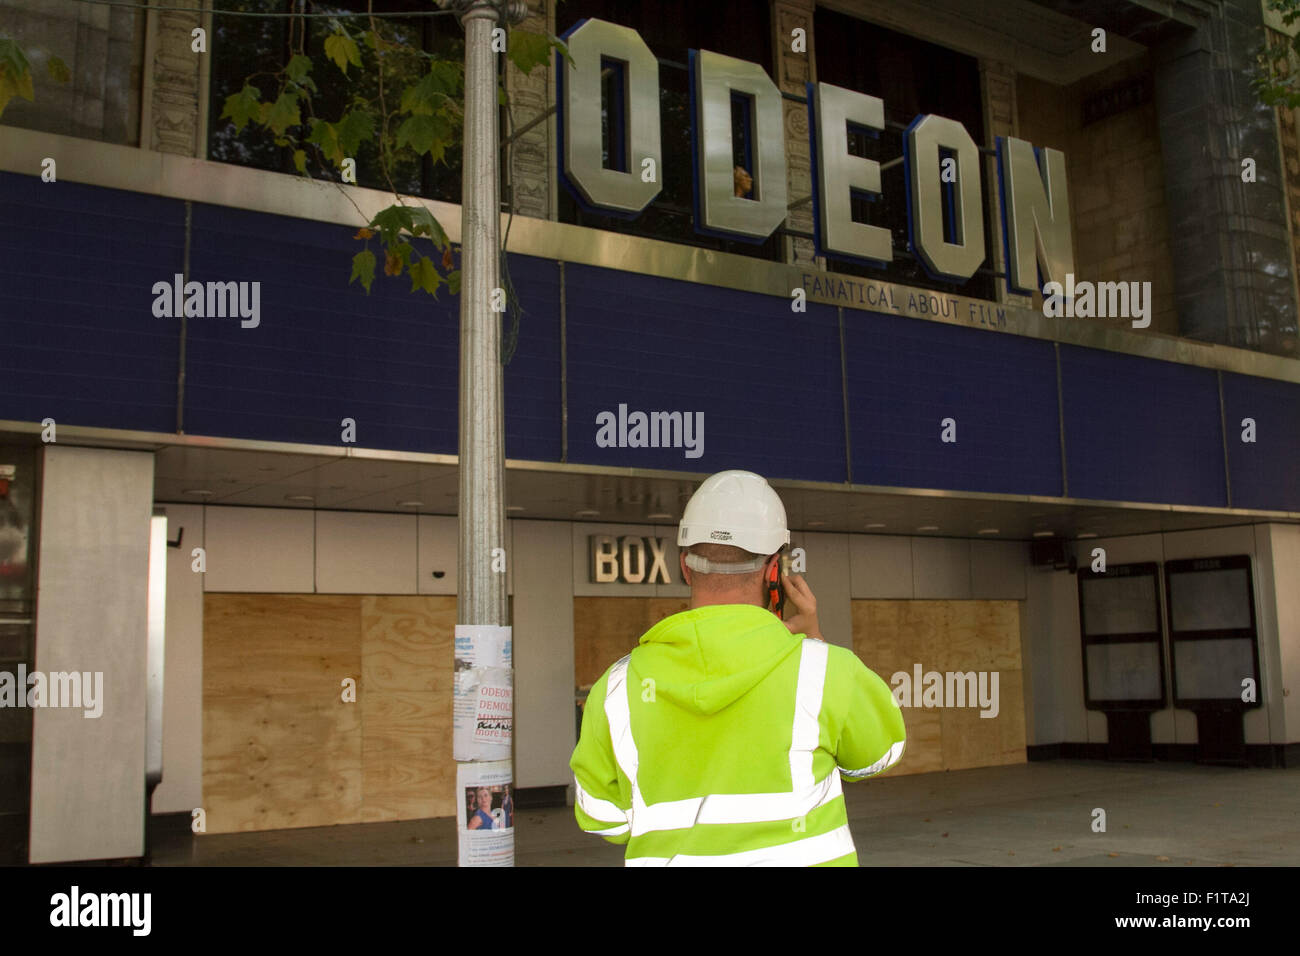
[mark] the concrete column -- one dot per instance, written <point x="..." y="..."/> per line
<point x="88" y="772"/>
<point x="545" y="733"/>
<point x="1277" y="562"/>
<point x="181" y="789"/>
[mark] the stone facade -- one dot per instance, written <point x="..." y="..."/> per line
<point x="1116" y="179"/>
<point x="102" y="48"/>
<point x="998" y="95"/>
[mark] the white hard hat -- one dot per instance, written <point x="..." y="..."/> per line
<point x="738" y="508"/>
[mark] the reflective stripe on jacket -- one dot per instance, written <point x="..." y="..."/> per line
<point x="722" y="740"/>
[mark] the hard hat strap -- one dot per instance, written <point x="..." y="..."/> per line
<point x="703" y="565"/>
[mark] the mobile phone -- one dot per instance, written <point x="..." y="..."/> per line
<point x="775" y="587"/>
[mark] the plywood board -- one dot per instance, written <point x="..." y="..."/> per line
<point x="970" y="740"/>
<point x="604" y="629"/>
<point x="924" y="750"/>
<point x="278" y="761"/>
<point x="406" y="757"/>
<point x="282" y="748"/>
<point x="260" y="644"/>
<point x="407" y="643"/>
<point x="949" y="636"/>
<point x="406" y="691"/>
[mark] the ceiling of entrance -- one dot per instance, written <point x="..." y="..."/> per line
<point x="193" y="470"/>
<point x="585" y="493"/>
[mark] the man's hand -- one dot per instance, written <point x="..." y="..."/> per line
<point x="799" y="594"/>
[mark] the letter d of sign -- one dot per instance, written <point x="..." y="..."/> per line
<point x="931" y="201"/>
<point x="718" y="82"/>
<point x="1036" y="214"/>
<point x="633" y="111"/>
<point x="838" y="173"/>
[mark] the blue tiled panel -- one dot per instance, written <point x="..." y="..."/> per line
<point x="1137" y="429"/>
<point x="324" y="350"/>
<point x="905" y="376"/>
<point x="766" y="379"/>
<point x="1265" y="473"/>
<point x="79" y="342"/>
<point x="532" y="379"/>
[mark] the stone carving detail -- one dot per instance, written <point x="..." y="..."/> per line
<point x="793" y="71"/>
<point x="533" y="153"/>
<point x="174" y="97"/>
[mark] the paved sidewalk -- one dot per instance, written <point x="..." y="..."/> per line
<point x="1037" y="814"/>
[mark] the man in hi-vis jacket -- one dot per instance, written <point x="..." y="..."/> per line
<point x="722" y="739"/>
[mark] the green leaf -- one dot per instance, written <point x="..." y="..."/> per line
<point x="283" y="114"/>
<point x="298" y="67"/>
<point x="300" y="160"/>
<point x="423" y="224"/>
<point x="363" y="268"/>
<point x="391" y="221"/>
<point x="243" y="106"/>
<point x="12" y="58"/>
<point x="58" y="70"/>
<point x="11" y="87"/>
<point x="527" y="51"/>
<point x="420" y="132"/>
<point x="424" y="275"/>
<point x="325" y="136"/>
<point x="342" y="49"/>
<point x="453" y="282"/>
<point x="449" y="74"/>
<point x="563" y="48"/>
<point x="427" y="96"/>
<point x="354" y="128"/>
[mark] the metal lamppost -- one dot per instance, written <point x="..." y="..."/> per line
<point x="482" y="638"/>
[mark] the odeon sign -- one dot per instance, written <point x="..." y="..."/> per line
<point x="1031" y="183"/>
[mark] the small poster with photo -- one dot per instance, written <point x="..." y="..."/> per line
<point x="486" y="814"/>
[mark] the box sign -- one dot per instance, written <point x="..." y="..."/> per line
<point x="629" y="559"/>
<point x="942" y="168"/>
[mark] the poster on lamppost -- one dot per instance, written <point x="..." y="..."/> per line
<point x="485" y="814"/>
<point x="484" y="693"/>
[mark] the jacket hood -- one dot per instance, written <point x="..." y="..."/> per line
<point x="707" y="658"/>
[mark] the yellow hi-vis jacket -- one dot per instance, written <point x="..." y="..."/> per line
<point x="722" y="738"/>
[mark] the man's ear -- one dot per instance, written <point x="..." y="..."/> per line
<point x="686" y="572"/>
